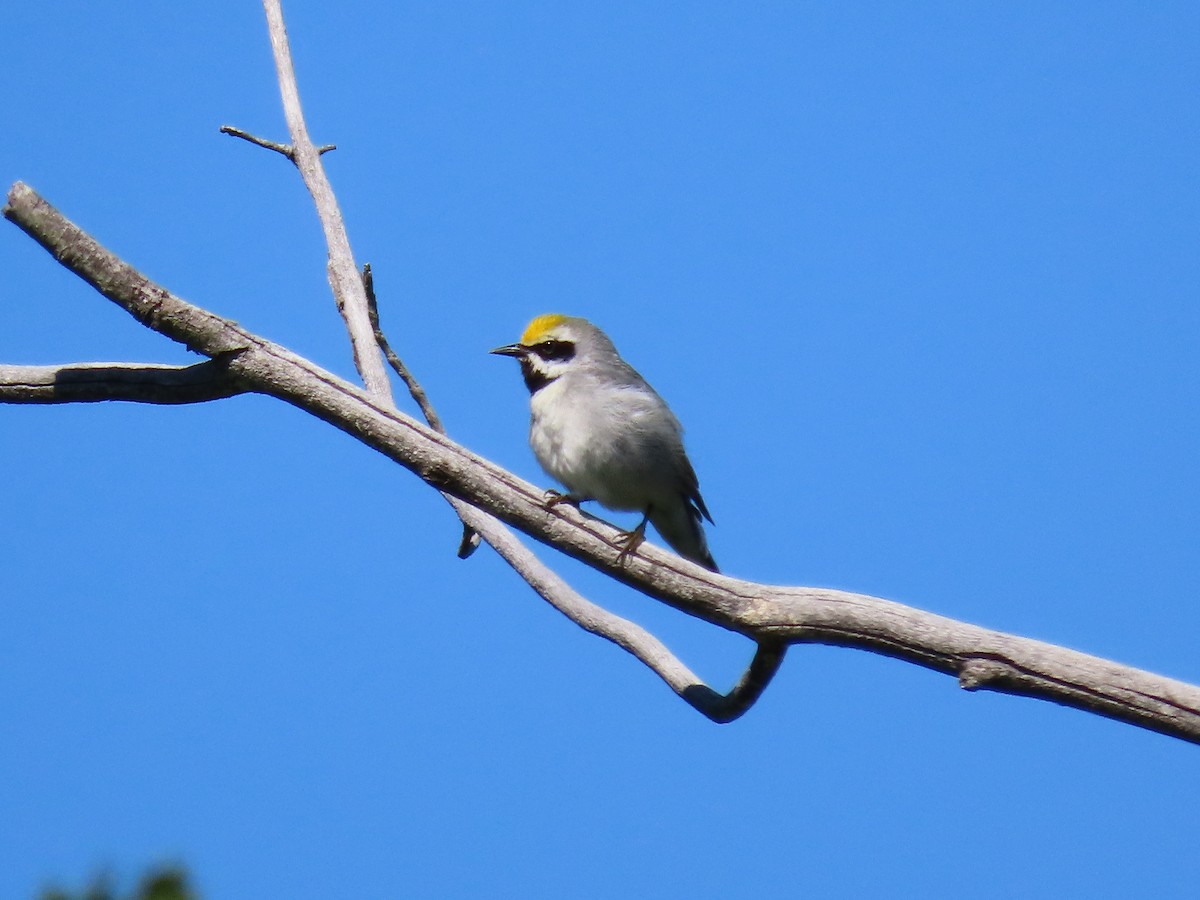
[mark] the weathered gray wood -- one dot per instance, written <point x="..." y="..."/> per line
<point x="95" y="382"/>
<point x="775" y="616"/>
<point x="343" y="273"/>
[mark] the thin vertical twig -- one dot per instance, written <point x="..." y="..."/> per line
<point x="414" y="387"/>
<point x="469" y="542"/>
<point x="343" y="271"/>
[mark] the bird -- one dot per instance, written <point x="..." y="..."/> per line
<point x="601" y="431"/>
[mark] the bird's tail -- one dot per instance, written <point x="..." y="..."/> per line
<point x="679" y="525"/>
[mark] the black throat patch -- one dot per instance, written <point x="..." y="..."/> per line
<point x="535" y="379"/>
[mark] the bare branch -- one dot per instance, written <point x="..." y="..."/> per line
<point x="161" y="311"/>
<point x="629" y="636"/>
<point x="284" y="149"/>
<point x="340" y="262"/>
<point x="343" y="273"/>
<point x="633" y="638"/>
<point x="469" y="542"/>
<point x="414" y="387"/>
<point x="554" y="590"/>
<point x="94" y="382"/>
<point x="768" y="657"/>
<point x="721" y="708"/>
<point x="979" y="657"/>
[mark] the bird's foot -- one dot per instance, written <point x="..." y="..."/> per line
<point x="629" y="541"/>
<point x="553" y="498"/>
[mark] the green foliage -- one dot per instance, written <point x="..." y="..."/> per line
<point x="165" y="883"/>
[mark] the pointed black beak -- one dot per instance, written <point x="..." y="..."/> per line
<point x="511" y="350"/>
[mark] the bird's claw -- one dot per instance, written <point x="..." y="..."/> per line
<point x="553" y="498"/>
<point x="629" y="541"/>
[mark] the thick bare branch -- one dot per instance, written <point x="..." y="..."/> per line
<point x="343" y="273"/>
<point x="979" y="657"/>
<point x="94" y="382"/>
<point x="158" y="309"/>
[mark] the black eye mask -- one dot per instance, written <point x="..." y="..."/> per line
<point x="551" y="349"/>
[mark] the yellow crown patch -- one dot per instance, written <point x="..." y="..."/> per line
<point x="539" y="326"/>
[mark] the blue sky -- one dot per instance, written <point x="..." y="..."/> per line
<point x="920" y="280"/>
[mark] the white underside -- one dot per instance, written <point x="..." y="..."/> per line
<point x="616" y="446"/>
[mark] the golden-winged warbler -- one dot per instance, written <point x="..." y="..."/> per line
<point x="599" y="429"/>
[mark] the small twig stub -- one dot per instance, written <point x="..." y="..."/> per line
<point x="283" y="149"/>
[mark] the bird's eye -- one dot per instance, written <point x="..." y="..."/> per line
<point x="552" y="349"/>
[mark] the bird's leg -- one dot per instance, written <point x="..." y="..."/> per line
<point x="552" y="498"/>
<point x="629" y="541"/>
